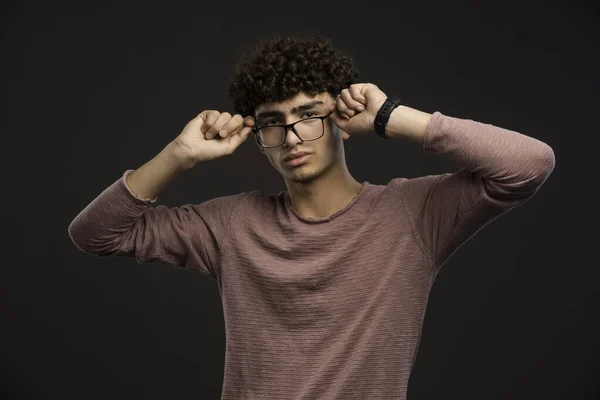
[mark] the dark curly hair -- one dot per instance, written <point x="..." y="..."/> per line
<point x="279" y="68"/>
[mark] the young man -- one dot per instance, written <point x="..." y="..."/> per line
<point x="324" y="286"/>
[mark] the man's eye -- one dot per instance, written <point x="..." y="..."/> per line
<point x="271" y="122"/>
<point x="308" y="114"/>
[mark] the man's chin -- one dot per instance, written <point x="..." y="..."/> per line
<point x="302" y="176"/>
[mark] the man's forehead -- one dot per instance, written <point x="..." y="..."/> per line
<point x="288" y="106"/>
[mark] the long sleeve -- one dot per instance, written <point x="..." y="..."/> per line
<point x="500" y="169"/>
<point x="119" y="223"/>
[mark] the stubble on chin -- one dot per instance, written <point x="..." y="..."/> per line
<point x="307" y="173"/>
<point x="304" y="177"/>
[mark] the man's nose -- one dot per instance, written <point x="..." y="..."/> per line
<point x="291" y="139"/>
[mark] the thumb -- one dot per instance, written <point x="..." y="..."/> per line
<point x="339" y="121"/>
<point x="249" y="121"/>
<point x="236" y="140"/>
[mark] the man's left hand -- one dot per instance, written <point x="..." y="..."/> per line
<point x="356" y="107"/>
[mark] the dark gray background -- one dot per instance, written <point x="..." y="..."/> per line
<point x="92" y="89"/>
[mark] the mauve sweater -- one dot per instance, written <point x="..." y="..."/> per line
<point x="327" y="308"/>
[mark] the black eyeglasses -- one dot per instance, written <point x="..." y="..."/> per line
<point x="306" y="129"/>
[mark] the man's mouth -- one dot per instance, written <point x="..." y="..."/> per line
<point x="295" y="160"/>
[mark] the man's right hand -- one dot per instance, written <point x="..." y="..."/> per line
<point x="212" y="134"/>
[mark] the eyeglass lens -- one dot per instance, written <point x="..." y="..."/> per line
<point x="307" y="130"/>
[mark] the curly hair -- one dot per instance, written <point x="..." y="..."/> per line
<point x="279" y="68"/>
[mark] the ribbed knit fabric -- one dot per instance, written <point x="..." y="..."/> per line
<point x="327" y="308"/>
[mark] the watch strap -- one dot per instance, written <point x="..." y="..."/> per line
<point x="383" y="115"/>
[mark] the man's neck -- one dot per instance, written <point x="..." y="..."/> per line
<point x="324" y="196"/>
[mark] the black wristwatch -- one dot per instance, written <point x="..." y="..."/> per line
<point x="383" y="115"/>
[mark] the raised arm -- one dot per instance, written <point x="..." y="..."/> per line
<point x="499" y="168"/>
<point x="121" y="220"/>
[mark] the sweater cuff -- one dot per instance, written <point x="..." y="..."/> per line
<point x="131" y="194"/>
<point x="433" y="132"/>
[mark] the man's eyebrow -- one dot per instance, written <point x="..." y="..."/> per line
<point x="295" y="110"/>
<point x="306" y="106"/>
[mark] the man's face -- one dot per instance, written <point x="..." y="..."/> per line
<point x="322" y="153"/>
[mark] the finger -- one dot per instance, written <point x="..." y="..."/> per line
<point x="233" y="124"/>
<point x="355" y="92"/>
<point x="350" y="102"/>
<point x="209" y="117"/>
<point x="345" y="135"/>
<point x="342" y="108"/>
<point x="247" y="122"/>
<point x="217" y="125"/>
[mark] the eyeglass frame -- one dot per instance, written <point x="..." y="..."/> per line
<point x="287" y="127"/>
